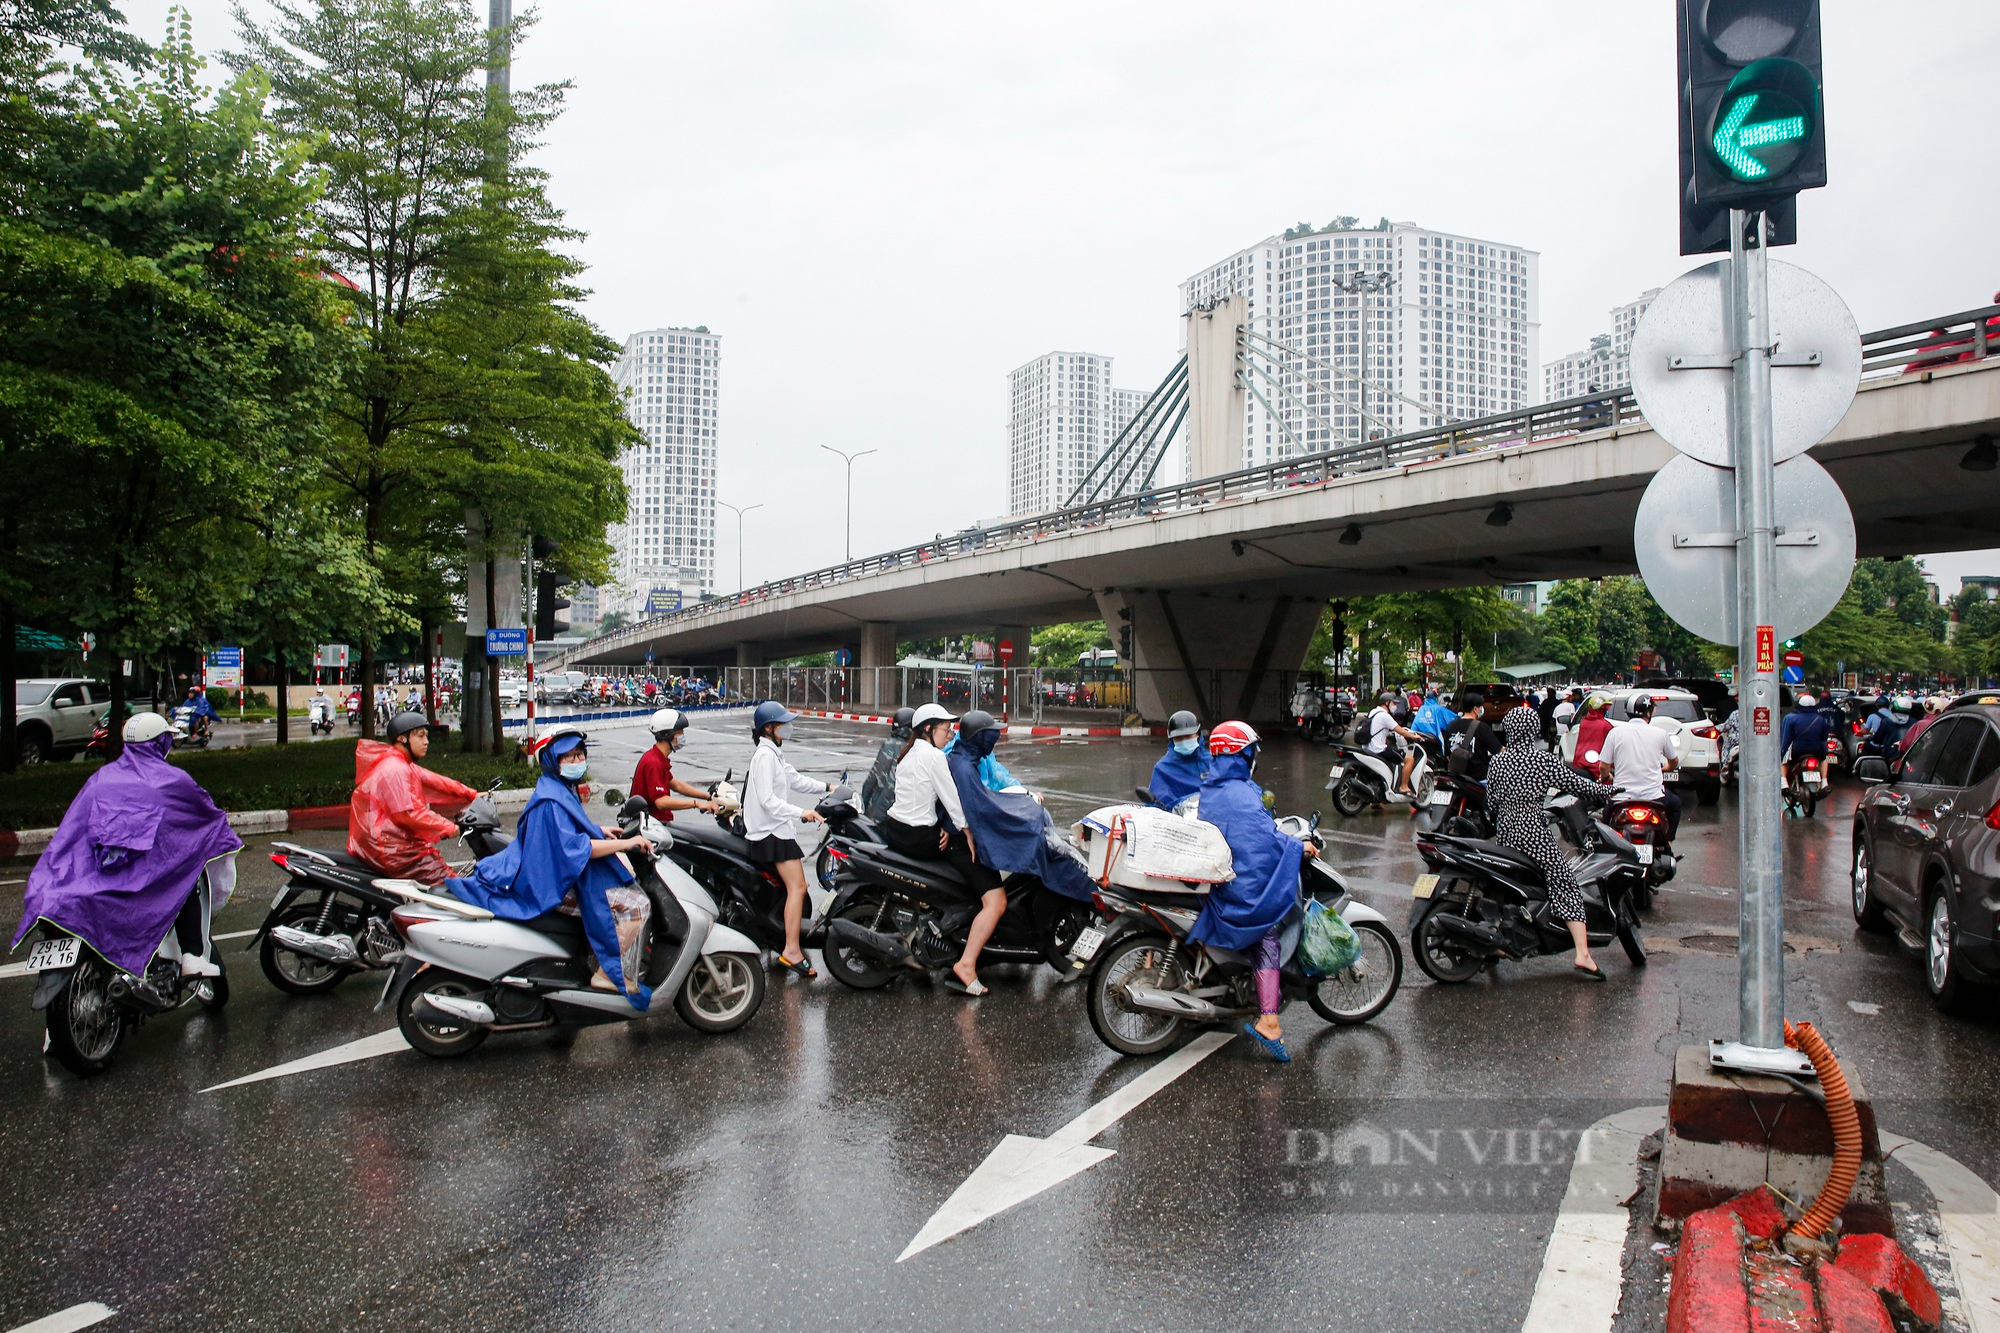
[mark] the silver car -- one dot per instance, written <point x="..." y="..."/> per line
<point x="55" y="716"/>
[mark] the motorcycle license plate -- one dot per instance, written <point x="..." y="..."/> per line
<point x="49" y="954"/>
<point x="1440" y="798"/>
<point x="1087" y="942"/>
<point x="1645" y="851"/>
<point x="1425" y="886"/>
<point x="1814" y="778"/>
<point x="1336" y="775"/>
<point x="1671" y="775"/>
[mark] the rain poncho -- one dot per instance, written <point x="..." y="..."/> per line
<point x="549" y="857"/>
<point x="1177" y="776"/>
<point x="391" y="822"/>
<point x="991" y="771"/>
<point x="1251" y="906"/>
<point x="129" y="851"/>
<point x="878" y="789"/>
<point x="1433" y="718"/>
<point x="1011" y="831"/>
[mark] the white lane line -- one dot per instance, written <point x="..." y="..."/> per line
<point x="1864" y="1007"/>
<point x="65" y="1321"/>
<point x="367" y="1048"/>
<point x="1969" y="1216"/>
<point x="1022" y="1167"/>
<point x="10" y="971"/>
<point x="1582" y="1268"/>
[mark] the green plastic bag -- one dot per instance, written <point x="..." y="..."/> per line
<point x="1327" y="944"/>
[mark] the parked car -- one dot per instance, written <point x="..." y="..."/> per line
<point x="1696" y="740"/>
<point x="1926" y="857"/>
<point x="55" y="716"/>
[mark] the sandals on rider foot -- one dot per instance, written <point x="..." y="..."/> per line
<point x="802" y="969"/>
<point x="1592" y="973"/>
<point x="1272" y="1045"/>
<point x="957" y="987"/>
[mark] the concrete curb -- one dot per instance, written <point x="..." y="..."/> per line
<point x="1015" y="731"/>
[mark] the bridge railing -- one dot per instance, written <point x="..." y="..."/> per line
<point x="1970" y="335"/>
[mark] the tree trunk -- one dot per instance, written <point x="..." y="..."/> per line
<point x="9" y="714"/>
<point x="367" y="691"/>
<point x="114" y="739"/>
<point x="495" y="742"/>
<point x="424" y="628"/>
<point x="283" y="698"/>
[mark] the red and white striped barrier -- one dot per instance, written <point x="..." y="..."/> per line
<point x="1016" y="731"/>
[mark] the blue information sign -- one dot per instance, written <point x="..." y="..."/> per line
<point x="226" y="657"/>
<point x="507" y="642"/>
<point x="1795" y="675"/>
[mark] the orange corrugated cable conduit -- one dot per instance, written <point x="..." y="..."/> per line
<point x="1846" y="1122"/>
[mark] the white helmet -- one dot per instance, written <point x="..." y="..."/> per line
<point x="666" y="722"/>
<point x="1807" y="701"/>
<point x="930" y="713"/>
<point x="143" y="727"/>
<point x="1903" y="703"/>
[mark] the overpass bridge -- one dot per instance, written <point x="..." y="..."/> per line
<point x="1222" y="579"/>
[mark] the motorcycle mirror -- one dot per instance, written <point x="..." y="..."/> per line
<point x="632" y="808"/>
<point x="1315" y="819"/>
<point x="614" y="797"/>
<point x="494" y="785"/>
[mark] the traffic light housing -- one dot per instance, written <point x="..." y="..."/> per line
<point x="1752" y="123"/>
<point x="551" y="610"/>
<point x="1125" y="633"/>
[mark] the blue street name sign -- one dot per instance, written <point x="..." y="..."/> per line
<point x="507" y="642"/>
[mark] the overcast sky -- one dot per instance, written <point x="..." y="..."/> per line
<point x="884" y="207"/>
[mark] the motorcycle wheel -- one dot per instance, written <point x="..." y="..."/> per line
<point x="1069" y="922"/>
<point x="440" y="1041"/>
<point x="1134" y="959"/>
<point x="85" y="1026"/>
<point x="1349" y="799"/>
<point x="1425" y="790"/>
<point x="1445" y="963"/>
<point x="722" y="993"/>
<point x="823" y="868"/>
<point x="1810" y="803"/>
<point x="1628" y="933"/>
<point x="848" y="966"/>
<point x="1642" y="895"/>
<point x="1365" y="989"/>
<point x="296" y="973"/>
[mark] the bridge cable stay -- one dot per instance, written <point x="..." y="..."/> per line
<point x="1289" y="350"/>
<point x="1310" y="411"/>
<point x="1160" y="455"/>
<point x="1135" y="440"/>
<point x="1155" y="448"/>
<point x="1275" y="415"/>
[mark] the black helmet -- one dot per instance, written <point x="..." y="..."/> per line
<point x="1641" y="705"/>
<point x="1182" y="724"/>
<point x="976" y="721"/>
<point x="403" y="724"/>
<point x="904" y="719"/>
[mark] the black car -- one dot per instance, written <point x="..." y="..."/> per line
<point x="1927" y="848"/>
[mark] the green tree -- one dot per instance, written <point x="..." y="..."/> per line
<point x="1569" y="624"/>
<point x="1061" y="645"/>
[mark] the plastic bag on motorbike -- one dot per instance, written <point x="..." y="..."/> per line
<point x="1327" y="944"/>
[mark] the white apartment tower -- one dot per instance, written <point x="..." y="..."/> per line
<point x="1605" y="364"/>
<point x="1063" y="412"/>
<point x="670" y="380"/>
<point x="1449" y="325"/>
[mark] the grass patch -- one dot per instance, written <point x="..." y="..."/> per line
<point x="268" y="777"/>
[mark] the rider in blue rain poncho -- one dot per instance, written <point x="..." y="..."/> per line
<point x="1247" y="913"/>
<point x="559" y="849"/>
<point x="1013" y="833"/>
<point x="1178" y="774"/>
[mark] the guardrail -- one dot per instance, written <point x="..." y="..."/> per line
<point x="1970" y="335"/>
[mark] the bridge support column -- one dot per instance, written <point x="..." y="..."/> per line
<point x="1217" y="657"/>
<point x="749" y="654"/>
<point x="876" y="689"/>
<point x="1215" y="389"/>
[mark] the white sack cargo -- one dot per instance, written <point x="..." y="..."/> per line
<point x="1150" y="848"/>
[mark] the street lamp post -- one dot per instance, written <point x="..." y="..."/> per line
<point x="739" y="511"/>
<point x="1364" y="285"/>
<point x="849" y="460"/>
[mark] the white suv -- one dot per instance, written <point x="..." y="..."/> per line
<point x="1696" y="739"/>
<point x="55" y="716"/>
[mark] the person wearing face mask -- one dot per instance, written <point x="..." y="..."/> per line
<point x="771" y="822"/>
<point x="399" y="811"/>
<point x="1178" y="774"/>
<point x="654" y="777"/>
<point x="928" y="823"/>
<point x="558" y="851"/>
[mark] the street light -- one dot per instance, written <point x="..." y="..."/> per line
<point x="849" y="460"/>
<point x="1364" y="285"/>
<point x="739" y="512"/>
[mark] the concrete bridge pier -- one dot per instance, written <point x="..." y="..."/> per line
<point x="875" y="690"/>
<point x="1220" y="657"/>
<point x="749" y="654"/>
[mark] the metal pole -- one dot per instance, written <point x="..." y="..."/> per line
<point x="528" y="594"/>
<point x="1761" y="911"/>
<point x="739" y="512"/>
<point x="849" y="460"/>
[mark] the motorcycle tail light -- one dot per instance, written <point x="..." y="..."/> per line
<point x="1832" y="745"/>
<point x="1857" y="728"/>
<point x="1812" y="761"/>
<point x="405" y="917"/>
<point x="279" y="860"/>
<point x="1639" y="814"/>
<point x="1993" y="816"/>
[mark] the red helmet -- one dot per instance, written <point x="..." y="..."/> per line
<point x="1232" y="738"/>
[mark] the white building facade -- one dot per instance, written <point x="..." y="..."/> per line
<point x="1063" y="413"/>
<point x="671" y="381"/>
<point x="1449" y="327"/>
<point x="1605" y="364"/>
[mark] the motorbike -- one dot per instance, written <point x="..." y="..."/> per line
<point x="319" y="715"/>
<point x="353" y="710"/>
<point x="99" y="744"/>
<point x="1147" y="983"/>
<point x="1805" y="786"/>
<point x="194" y="728"/>
<point x="330" y="920"/>
<point x="1644" y="825"/>
<point x="1480" y="902"/>
<point x="465" y="974"/>
<point x="89" y="1005"/>
<point x="1360" y="778"/>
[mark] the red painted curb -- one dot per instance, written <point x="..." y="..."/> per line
<point x="316" y="816"/>
<point x="1849" y="1305"/>
<point x="1781" y="1299"/>
<point x="1879" y="1263"/>
<point x="1707" y="1294"/>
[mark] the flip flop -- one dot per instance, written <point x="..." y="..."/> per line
<point x="1276" y="1049"/>
<point x="957" y="987"/>
<point x="1594" y="973"/>
<point x="802" y="969"/>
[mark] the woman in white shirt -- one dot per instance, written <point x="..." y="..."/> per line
<point x="927" y="823"/>
<point x="771" y="822"/>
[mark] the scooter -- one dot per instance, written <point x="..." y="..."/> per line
<point x="1644" y="825"/>
<point x="1806" y="785"/>
<point x="1360" y="778"/>
<point x="465" y="974"/>
<point x="319" y="715"/>
<point x="1148" y="983"/>
<point x="192" y="728"/>
<point x="89" y="1005"/>
<point x="329" y="920"/>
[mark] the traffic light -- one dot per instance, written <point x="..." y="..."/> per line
<point x="1125" y="633"/>
<point x="1752" y="127"/>
<point x="551" y="611"/>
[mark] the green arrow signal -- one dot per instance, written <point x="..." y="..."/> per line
<point x="1733" y="137"/>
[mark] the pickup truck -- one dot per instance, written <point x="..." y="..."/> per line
<point x="54" y="716"/>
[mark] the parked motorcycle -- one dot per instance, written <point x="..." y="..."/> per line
<point x="1360" y="778"/>
<point x="465" y="974"/>
<point x="1480" y="902"/>
<point x="89" y="1005"/>
<point x="330" y="920"/>
<point x="1148" y="983"/>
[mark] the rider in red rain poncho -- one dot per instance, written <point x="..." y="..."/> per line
<point x="393" y="822"/>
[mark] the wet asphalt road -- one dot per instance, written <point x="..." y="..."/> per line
<point x="645" y="1176"/>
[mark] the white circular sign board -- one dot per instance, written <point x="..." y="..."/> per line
<point x="1689" y="322"/>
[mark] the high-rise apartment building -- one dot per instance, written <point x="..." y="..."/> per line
<point x="1448" y="327"/>
<point x="1605" y="364"/>
<point x="1063" y="413"/>
<point x="670" y="379"/>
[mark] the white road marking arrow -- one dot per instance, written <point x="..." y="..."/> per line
<point x="67" y="1321"/>
<point x="382" y="1043"/>
<point x="1022" y="1167"/>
